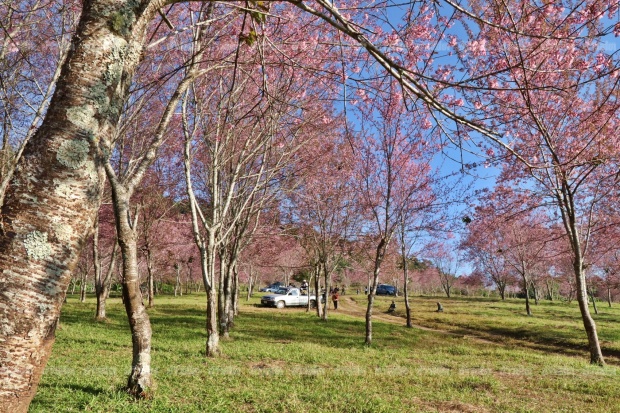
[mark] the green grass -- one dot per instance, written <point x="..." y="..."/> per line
<point x="554" y="325"/>
<point x="288" y="361"/>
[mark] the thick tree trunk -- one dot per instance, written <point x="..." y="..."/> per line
<point x="54" y="195"/>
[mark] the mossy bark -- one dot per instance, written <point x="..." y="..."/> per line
<point x="55" y="192"/>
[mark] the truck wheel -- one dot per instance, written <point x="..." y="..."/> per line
<point x="312" y="303"/>
<point x="280" y="304"/>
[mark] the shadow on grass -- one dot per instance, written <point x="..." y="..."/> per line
<point x="296" y="326"/>
<point x="546" y="340"/>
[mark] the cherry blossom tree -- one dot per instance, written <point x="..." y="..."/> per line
<point x="29" y="71"/>
<point x="52" y="199"/>
<point x="555" y="99"/>
<point x="241" y="131"/>
<point x="323" y="205"/>
<point x="393" y="174"/>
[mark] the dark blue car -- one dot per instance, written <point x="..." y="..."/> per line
<point x="385" y="289"/>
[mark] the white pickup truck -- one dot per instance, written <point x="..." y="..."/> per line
<point x="287" y="297"/>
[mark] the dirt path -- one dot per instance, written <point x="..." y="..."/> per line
<point x="347" y="305"/>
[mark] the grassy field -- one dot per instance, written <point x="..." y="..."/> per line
<point x="480" y="355"/>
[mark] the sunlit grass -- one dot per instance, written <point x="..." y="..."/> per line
<point x="289" y="361"/>
<point x="554" y="324"/>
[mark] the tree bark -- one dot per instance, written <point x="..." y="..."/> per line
<point x="536" y="292"/>
<point x="317" y="288"/>
<point x="102" y="283"/>
<point x="225" y="296"/>
<point x="83" y="276"/>
<point x="373" y="290"/>
<point x="54" y="195"/>
<point x="405" y="264"/>
<point x="139" y="382"/>
<point x="177" y="280"/>
<point x="570" y="223"/>
<point x="150" y="280"/>
<point x="326" y="279"/>
<point x="213" y="336"/>
<point x="593" y="301"/>
<point x="250" y="284"/>
<point x="528" y="309"/>
<point x="234" y="311"/>
<point x="596" y="356"/>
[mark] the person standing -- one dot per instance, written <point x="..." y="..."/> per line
<point x="335" y="298"/>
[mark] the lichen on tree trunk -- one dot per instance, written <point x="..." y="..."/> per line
<point x="54" y="195"/>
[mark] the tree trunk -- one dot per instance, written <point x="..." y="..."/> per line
<point x="535" y="289"/>
<point x="317" y="287"/>
<point x="328" y="287"/>
<point x="139" y="382"/>
<point x="528" y="310"/>
<point x="502" y="291"/>
<point x="177" y="282"/>
<point x="83" y="286"/>
<point x="593" y="301"/>
<point x="225" y="296"/>
<point x="235" y="296"/>
<point x="102" y="282"/>
<point x="54" y="195"/>
<point x="373" y="290"/>
<point x="150" y="278"/>
<point x="549" y="290"/>
<point x="250" y="284"/>
<point x="406" y="281"/>
<point x="213" y="337"/>
<point x="596" y="356"/>
<point x="609" y="296"/>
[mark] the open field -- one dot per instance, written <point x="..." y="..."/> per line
<point x="493" y="359"/>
